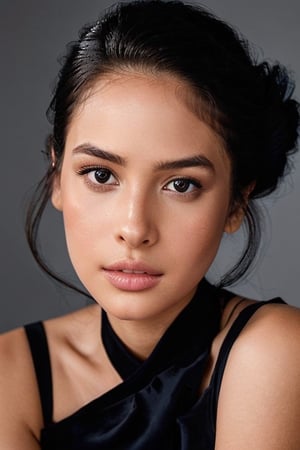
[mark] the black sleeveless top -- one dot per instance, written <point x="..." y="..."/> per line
<point x="157" y="406"/>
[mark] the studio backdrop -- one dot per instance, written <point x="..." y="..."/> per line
<point x="33" y="35"/>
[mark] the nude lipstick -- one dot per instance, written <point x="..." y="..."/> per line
<point x="132" y="276"/>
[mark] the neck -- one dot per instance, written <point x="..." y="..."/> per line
<point x="138" y="338"/>
<point x="141" y="336"/>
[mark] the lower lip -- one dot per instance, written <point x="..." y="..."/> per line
<point x="131" y="281"/>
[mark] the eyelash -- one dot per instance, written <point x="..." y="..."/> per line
<point x="192" y="182"/>
<point x="98" y="185"/>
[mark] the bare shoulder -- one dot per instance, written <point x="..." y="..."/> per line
<point x="20" y="415"/>
<point x="66" y="333"/>
<point x="20" y="407"/>
<point x="259" y="399"/>
<point x="81" y="369"/>
<point x="76" y="334"/>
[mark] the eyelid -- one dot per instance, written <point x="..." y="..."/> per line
<point x="93" y="167"/>
<point x="192" y="180"/>
<point x="85" y="170"/>
<point x="89" y="168"/>
<point x="196" y="183"/>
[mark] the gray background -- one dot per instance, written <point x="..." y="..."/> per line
<point x="33" y="35"/>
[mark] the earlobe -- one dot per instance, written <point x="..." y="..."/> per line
<point x="236" y="216"/>
<point x="234" y="221"/>
<point x="56" y="190"/>
<point x="56" y="193"/>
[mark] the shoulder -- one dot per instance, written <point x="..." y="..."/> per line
<point x="20" y="415"/>
<point x="259" y="398"/>
<point x="273" y="330"/>
<point x="65" y="333"/>
<point x="20" y="407"/>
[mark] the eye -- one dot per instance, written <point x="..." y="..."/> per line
<point x="183" y="185"/>
<point x="101" y="176"/>
<point x="98" y="176"/>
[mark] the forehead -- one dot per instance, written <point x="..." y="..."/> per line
<point x="149" y="113"/>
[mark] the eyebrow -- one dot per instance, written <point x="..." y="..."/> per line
<point x="91" y="150"/>
<point x="190" y="161"/>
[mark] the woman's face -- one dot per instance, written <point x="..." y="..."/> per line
<point x="145" y="192"/>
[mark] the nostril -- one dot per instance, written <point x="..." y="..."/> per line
<point x="136" y="235"/>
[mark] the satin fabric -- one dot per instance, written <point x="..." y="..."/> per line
<point x="157" y="406"/>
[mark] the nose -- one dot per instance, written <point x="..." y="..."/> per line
<point x="136" y="224"/>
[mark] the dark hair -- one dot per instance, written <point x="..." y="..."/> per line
<point x="248" y="103"/>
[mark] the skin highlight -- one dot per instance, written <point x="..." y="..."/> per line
<point x="144" y="209"/>
<point x="163" y="126"/>
<point x="137" y="214"/>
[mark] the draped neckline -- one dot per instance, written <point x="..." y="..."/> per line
<point x="191" y="332"/>
<point x="158" y="404"/>
<point x="188" y="339"/>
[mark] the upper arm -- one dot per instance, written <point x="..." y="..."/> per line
<point x="259" y="402"/>
<point x="20" y="417"/>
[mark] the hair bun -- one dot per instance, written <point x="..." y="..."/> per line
<point x="281" y="126"/>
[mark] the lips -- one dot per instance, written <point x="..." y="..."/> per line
<point x="132" y="275"/>
<point x="132" y="271"/>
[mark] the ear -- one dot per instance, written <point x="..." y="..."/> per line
<point x="237" y="214"/>
<point x="56" y="197"/>
<point x="56" y="193"/>
<point x="235" y="220"/>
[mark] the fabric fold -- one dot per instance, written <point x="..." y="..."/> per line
<point x="144" y="411"/>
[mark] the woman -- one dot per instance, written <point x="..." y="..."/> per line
<point x="164" y="132"/>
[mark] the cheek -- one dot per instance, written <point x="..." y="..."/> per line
<point x="202" y="239"/>
<point x="81" y="210"/>
<point x="210" y="215"/>
<point x="200" y="234"/>
<point x="82" y="228"/>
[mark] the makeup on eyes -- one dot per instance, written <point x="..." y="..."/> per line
<point x="184" y="182"/>
<point x="197" y="160"/>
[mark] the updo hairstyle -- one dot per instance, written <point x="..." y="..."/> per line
<point x="247" y="103"/>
